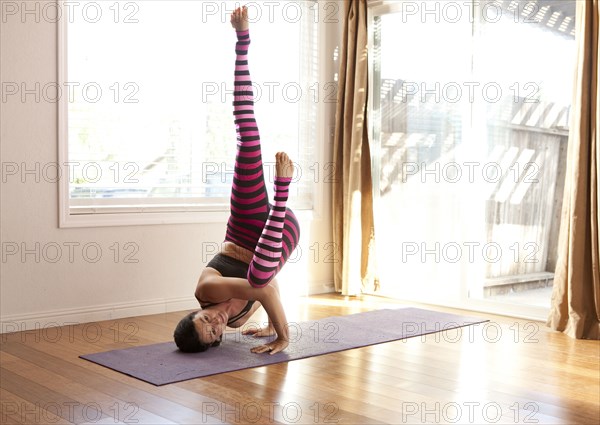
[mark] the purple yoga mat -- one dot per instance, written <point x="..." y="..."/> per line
<point x="163" y="363"/>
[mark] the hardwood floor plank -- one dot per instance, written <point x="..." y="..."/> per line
<point x="522" y="373"/>
<point x="95" y="406"/>
<point x="16" y="410"/>
<point x="97" y="381"/>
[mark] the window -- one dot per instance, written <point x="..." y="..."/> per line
<point x="147" y="131"/>
<point x="470" y="126"/>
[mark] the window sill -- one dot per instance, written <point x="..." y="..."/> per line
<point x="143" y="215"/>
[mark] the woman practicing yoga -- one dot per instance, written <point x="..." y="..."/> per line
<point x="259" y="239"/>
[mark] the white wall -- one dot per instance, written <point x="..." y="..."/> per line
<point x="170" y="258"/>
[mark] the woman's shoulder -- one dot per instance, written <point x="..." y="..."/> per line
<point x="205" y="277"/>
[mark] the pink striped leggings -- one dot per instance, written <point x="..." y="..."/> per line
<point x="270" y="231"/>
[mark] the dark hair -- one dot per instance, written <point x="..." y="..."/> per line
<point x="187" y="338"/>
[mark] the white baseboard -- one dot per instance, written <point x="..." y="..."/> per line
<point x="325" y="287"/>
<point x="74" y="316"/>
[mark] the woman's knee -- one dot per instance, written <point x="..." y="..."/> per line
<point x="257" y="283"/>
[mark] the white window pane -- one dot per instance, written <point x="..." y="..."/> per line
<point x="470" y="125"/>
<point x="155" y="120"/>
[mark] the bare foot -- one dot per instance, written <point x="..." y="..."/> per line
<point x="239" y="19"/>
<point x="284" y="167"/>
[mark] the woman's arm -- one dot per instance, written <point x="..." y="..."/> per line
<point x="212" y="287"/>
<point x="269" y="330"/>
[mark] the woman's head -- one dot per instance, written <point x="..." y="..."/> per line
<point x="200" y="330"/>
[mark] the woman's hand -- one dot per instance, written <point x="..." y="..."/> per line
<point x="258" y="332"/>
<point x="274" y="347"/>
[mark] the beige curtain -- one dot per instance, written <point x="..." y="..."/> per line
<point x="352" y="189"/>
<point x="576" y="294"/>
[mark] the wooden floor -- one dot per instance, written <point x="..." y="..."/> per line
<point x="508" y="371"/>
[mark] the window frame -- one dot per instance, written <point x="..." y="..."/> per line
<point x="153" y="211"/>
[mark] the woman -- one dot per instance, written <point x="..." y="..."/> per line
<point x="260" y="237"/>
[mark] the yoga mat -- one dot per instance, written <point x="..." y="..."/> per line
<point x="163" y="363"/>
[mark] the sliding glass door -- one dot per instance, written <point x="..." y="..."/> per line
<point x="469" y="114"/>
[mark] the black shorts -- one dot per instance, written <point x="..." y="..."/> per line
<point x="228" y="266"/>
